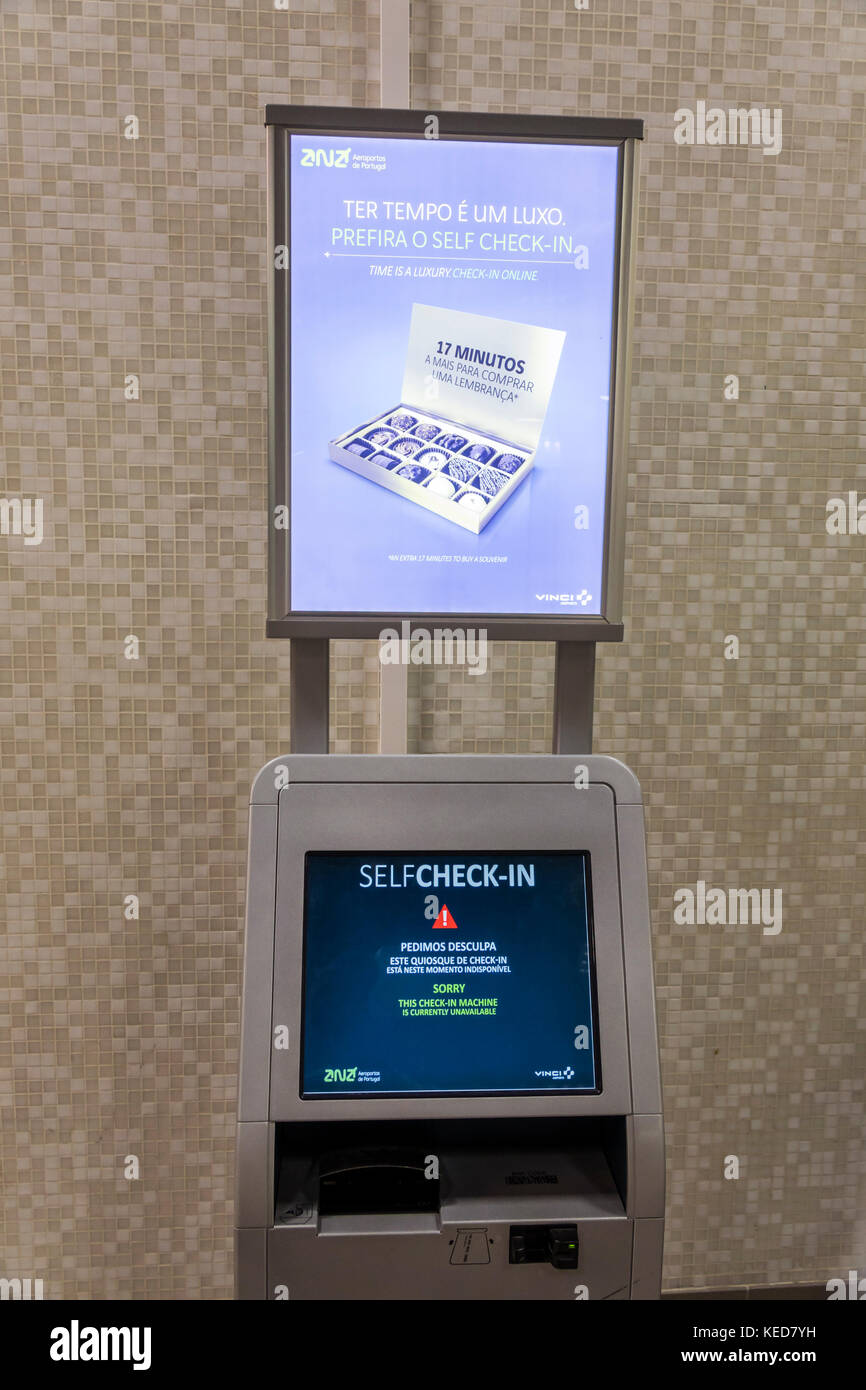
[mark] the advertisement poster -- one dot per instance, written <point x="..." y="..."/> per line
<point x="451" y="335"/>
<point x="447" y="973"/>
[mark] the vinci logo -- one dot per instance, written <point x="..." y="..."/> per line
<point x="568" y="600"/>
<point x="337" y="159"/>
<point x="340" y="1073"/>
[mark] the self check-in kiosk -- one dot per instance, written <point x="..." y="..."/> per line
<point x="450" y="1081"/>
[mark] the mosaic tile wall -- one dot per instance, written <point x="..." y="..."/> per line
<point x="126" y="773"/>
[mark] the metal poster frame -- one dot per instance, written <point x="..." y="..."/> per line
<point x="284" y="121"/>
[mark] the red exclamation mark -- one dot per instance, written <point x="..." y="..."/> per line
<point x="445" y="922"/>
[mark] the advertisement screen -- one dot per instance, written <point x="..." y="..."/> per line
<point x="448" y="974"/>
<point x="450" y="375"/>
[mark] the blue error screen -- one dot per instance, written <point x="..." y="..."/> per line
<point x="448" y="974"/>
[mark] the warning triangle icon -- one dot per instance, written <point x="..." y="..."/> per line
<point x="445" y="922"/>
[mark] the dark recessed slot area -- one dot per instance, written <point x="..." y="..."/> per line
<point x="360" y="1168"/>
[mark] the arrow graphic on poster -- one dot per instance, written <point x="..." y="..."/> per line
<point x="445" y="922"/>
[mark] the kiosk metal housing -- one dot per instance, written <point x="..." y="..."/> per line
<point x="592" y="1227"/>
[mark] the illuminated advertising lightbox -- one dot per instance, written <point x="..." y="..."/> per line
<point x="448" y="974"/>
<point x="446" y="311"/>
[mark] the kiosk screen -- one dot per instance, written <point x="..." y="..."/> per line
<point x="443" y="974"/>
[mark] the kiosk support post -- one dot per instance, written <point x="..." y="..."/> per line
<point x="573" y="687"/>
<point x="309" y="693"/>
<point x="394" y="54"/>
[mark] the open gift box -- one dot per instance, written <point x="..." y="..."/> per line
<point x="465" y="433"/>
